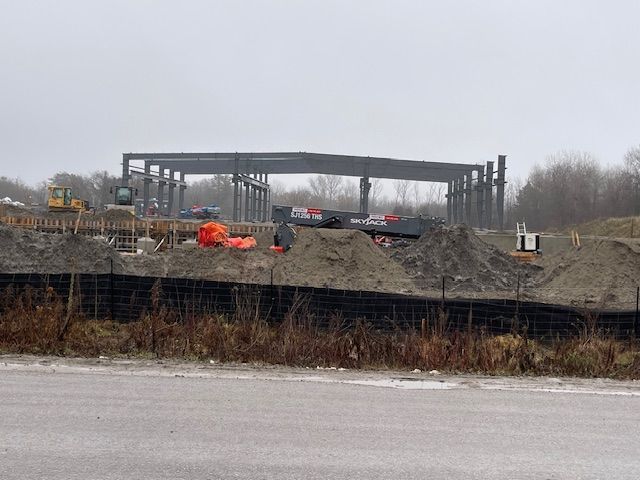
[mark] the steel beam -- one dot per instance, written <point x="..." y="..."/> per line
<point x="309" y="163"/>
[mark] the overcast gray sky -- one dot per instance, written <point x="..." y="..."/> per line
<point x="83" y="81"/>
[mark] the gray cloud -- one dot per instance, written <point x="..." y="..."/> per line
<point x="82" y="81"/>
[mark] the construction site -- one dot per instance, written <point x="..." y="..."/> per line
<point x="301" y="246"/>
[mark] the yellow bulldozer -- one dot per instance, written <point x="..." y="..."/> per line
<point x="61" y="199"/>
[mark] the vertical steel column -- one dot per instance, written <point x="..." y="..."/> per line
<point x="145" y="188"/>
<point x="467" y="198"/>
<point x="500" y="182"/>
<point x="254" y="201"/>
<point x="259" y="200"/>
<point x="488" y="195"/>
<point x="161" y="191"/>
<point x="461" y="200"/>
<point x="237" y="195"/>
<point x="125" y="170"/>
<point x="365" y="188"/>
<point x="181" y="193"/>
<point x="480" y="198"/>
<point x="449" y="203"/>
<point x="172" y="187"/>
<point x="265" y="204"/>
<point x="247" y="201"/>
<point x="454" y="201"/>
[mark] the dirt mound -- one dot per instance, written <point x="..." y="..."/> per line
<point x="602" y="273"/>
<point x="219" y="264"/>
<point x="16" y="211"/>
<point x="27" y="251"/>
<point x="263" y="239"/>
<point x="343" y="259"/>
<point x="466" y="262"/>
<point x="114" y="216"/>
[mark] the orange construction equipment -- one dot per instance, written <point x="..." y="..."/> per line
<point x="213" y="234"/>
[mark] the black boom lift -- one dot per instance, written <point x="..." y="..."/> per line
<point x="369" y="223"/>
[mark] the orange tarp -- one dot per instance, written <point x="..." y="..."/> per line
<point x="213" y="234"/>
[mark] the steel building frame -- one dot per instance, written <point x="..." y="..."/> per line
<point x="464" y="180"/>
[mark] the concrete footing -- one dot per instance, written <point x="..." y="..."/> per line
<point x="146" y="244"/>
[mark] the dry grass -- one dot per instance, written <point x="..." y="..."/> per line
<point x="618" y="227"/>
<point x="36" y="322"/>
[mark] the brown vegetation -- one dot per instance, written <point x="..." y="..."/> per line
<point x="39" y="322"/>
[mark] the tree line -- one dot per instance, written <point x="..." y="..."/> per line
<point x="572" y="187"/>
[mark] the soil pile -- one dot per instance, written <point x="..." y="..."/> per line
<point x="27" y="251"/>
<point x="219" y="264"/>
<point x="602" y="273"/>
<point x="112" y="216"/>
<point x="343" y="259"/>
<point x="16" y="211"/>
<point x="466" y="262"/>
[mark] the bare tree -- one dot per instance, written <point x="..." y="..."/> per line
<point x="325" y="188"/>
<point x="632" y="165"/>
<point x="375" y="192"/>
<point x="401" y="187"/>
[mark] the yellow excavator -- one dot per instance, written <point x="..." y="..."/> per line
<point x="61" y="199"/>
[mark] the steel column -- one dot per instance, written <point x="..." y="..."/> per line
<point x="258" y="215"/>
<point x="480" y="199"/>
<point x="161" y="184"/>
<point x="461" y="200"/>
<point x="500" y="182"/>
<point x="449" y="203"/>
<point x="488" y="195"/>
<point x="125" y="170"/>
<point x="454" y="201"/>
<point x="467" y="198"/>
<point x="365" y="187"/>
<point x="181" y="193"/>
<point x="172" y="187"/>
<point x="265" y="205"/>
<point x="247" y="202"/>
<point x="145" y="188"/>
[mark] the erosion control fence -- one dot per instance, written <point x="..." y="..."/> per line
<point x="128" y="298"/>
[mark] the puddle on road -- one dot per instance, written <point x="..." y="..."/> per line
<point x="405" y="384"/>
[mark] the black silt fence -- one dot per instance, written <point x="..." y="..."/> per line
<point x="128" y="298"/>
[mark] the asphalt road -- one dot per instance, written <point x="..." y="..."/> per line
<point x="79" y="422"/>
